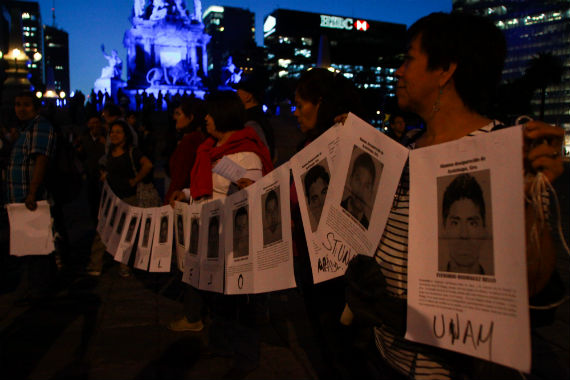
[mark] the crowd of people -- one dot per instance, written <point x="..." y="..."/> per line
<point x="452" y="67"/>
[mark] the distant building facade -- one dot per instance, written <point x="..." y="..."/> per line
<point x="233" y="35"/>
<point x="56" y="58"/>
<point x="365" y="51"/>
<point x="532" y="28"/>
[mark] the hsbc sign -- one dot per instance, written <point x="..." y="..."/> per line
<point x="336" y="22"/>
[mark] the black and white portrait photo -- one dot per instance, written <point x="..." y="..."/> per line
<point x="113" y="216"/>
<point x="121" y="223"/>
<point x="163" y="234"/>
<point x="180" y="229"/>
<point x="361" y="184"/>
<point x="194" y="233"/>
<point x="271" y="211"/>
<point x="241" y="232"/>
<point x="213" y="237"/>
<point x="107" y="206"/>
<point x="146" y="231"/>
<point x="316" y="184"/>
<point x="131" y="230"/>
<point x="464" y="216"/>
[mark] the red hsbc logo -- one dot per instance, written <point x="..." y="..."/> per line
<point x="362" y="25"/>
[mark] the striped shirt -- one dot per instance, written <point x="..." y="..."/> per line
<point x="411" y="359"/>
<point x="37" y="137"/>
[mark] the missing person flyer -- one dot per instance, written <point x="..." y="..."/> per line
<point x="191" y="274"/>
<point x="312" y="172"/>
<point x="161" y="253"/>
<point x="144" y="247"/>
<point x="110" y="215"/>
<point x="360" y="195"/>
<point x="129" y="234"/>
<point x="239" y="258"/>
<point x="211" y="247"/>
<point x="115" y="235"/>
<point x="272" y="244"/>
<point x="181" y="232"/>
<point x="467" y="277"/>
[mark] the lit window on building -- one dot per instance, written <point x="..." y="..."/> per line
<point x="303" y="52"/>
<point x="284" y="63"/>
<point x="25" y="16"/>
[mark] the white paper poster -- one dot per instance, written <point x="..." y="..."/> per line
<point x="161" y="253"/>
<point x="105" y="210"/>
<point x="111" y="211"/>
<point x="211" y="247"/>
<point x="229" y="169"/>
<point x="191" y="274"/>
<point x="467" y="289"/>
<point x="239" y="260"/>
<point x="361" y="192"/>
<point x="30" y="231"/>
<point x="119" y="225"/>
<point x="312" y="172"/>
<point x="104" y="195"/>
<point x="129" y="234"/>
<point x="272" y="246"/>
<point x="146" y="237"/>
<point x="181" y="232"/>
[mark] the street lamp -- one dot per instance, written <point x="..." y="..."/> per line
<point x="37" y="56"/>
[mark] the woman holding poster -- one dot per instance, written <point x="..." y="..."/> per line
<point x="451" y="70"/>
<point x="225" y="123"/>
<point x="122" y="179"/>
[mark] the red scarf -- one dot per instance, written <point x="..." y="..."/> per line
<point x="243" y="140"/>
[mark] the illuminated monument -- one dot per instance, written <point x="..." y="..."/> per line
<point x="166" y="51"/>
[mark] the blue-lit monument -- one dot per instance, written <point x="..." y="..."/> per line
<point x="166" y="51"/>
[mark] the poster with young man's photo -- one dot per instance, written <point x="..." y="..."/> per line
<point x="312" y="174"/>
<point x="119" y="225"/>
<point x="211" y="247"/>
<point x="239" y="276"/>
<point x="181" y="232"/>
<point x="466" y="248"/>
<point x="110" y="213"/>
<point x="161" y="254"/>
<point x="191" y="274"/>
<point x="368" y="167"/>
<point x="146" y="238"/>
<point x="129" y="234"/>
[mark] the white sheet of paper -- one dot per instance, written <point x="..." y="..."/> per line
<point x="312" y="168"/>
<point x="111" y="218"/>
<point x="483" y="312"/>
<point x="104" y="195"/>
<point x="181" y="232"/>
<point x="191" y="274"/>
<point x="239" y="276"/>
<point x="161" y="253"/>
<point x="211" y="246"/>
<point x="30" y="231"/>
<point x="272" y="243"/>
<point x="129" y="234"/>
<point x="361" y="192"/>
<point x="117" y="232"/>
<point x="229" y="169"/>
<point x="105" y="210"/>
<point x="146" y="237"/>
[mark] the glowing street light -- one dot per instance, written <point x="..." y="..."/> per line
<point x="39" y="95"/>
<point x="62" y="94"/>
<point x="37" y="56"/>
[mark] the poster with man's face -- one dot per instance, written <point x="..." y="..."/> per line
<point x="465" y="217"/>
<point x="271" y="212"/>
<point x="180" y="229"/>
<point x="241" y="232"/>
<point x="146" y="231"/>
<point x="213" y="237"/>
<point x="194" y="234"/>
<point x="131" y="230"/>
<point x="361" y="186"/>
<point x="163" y="235"/>
<point x="316" y="185"/>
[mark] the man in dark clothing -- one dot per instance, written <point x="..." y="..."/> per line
<point x="250" y="91"/>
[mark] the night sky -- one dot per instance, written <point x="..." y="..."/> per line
<point x="93" y="22"/>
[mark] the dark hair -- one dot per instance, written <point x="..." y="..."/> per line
<point x="335" y="93"/>
<point x="227" y="110"/>
<point x="474" y="43"/>
<point x="126" y="130"/>
<point x="113" y="110"/>
<point x="240" y="211"/>
<point x="313" y="175"/>
<point x="364" y="161"/>
<point x="464" y="186"/>
<point x="195" y="108"/>
<point x="37" y="103"/>
<point x="271" y="195"/>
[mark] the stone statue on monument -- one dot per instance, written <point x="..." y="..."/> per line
<point x="198" y="10"/>
<point x="115" y="67"/>
<point x="229" y="73"/>
<point x="139" y="8"/>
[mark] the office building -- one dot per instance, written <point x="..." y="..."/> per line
<point x="56" y="58"/>
<point x="367" y="52"/>
<point x="533" y="29"/>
